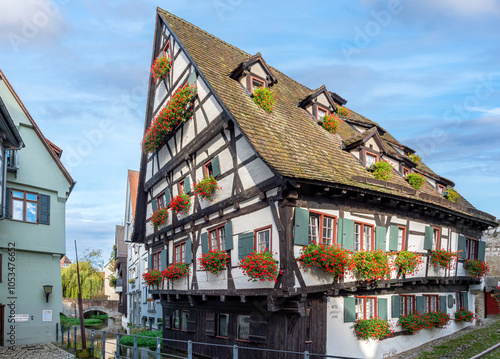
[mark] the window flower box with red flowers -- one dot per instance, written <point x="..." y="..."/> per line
<point x="159" y="218"/>
<point x="180" y="204"/>
<point x="407" y="263"/>
<point x="333" y="259"/>
<point x="452" y="195"/>
<point x="438" y="319"/>
<point x="260" y="266"/>
<point x="382" y="170"/>
<point x="153" y="278"/>
<point x="214" y="261"/>
<point x="370" y="265"/>
<point x="150" y="300"/>
<point x="161" y="67"/>
<point x="178" y="110"/>
<point x="265" y="98"/>
<point x="175" y="271"/>
<point x="413" y="322"/>
<point x="444" y="259"/>
<point x="206" y="188"/>
<point x="342" y="111"/>
<point x="374" y="328"/>
<point x="417" y="159"/>
<point x="331" y="123"/>
<point x="476" y="268"/>
<point x="463" y="316"/>
<point x="416" y="180"/>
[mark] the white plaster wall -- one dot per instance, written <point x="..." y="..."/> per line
<point x="243" y="150"/>
<point x="207" y="280"/>
<point x="161" y="92"/>
<point x="164" y="156"/>
<point x="255" y="172"/>
<point x="149" y="170"/>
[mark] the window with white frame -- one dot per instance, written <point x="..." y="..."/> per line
<point x="370" y="159"/>
<point x="263" y="239"/>
<point x="431" y="302"/>
<point x="406" y="304"/>
<point x="322" y="228"/>
<point x="180" y="253"/>
<point x="366" y="307"/>
<point x="217" y="238"/>
<point x="363" y="236"/>
<point x="470" y="248"/>
<point x="401" y="238"/>
<point x="436" y="239"/>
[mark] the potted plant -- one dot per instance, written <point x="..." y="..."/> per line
<point x="444" y="258"/>
<point x="331" y="123"/>
<point x="417" y="159"/>
<point x="206" y="188"/>
<point x="180" y="204"/>
<point x="413" y="322"/>
<point x="452" y="195"/>
<point x="407" y="263"/>
<point x="476" y="268"/>
<point x="214" y="261"/>
<point x="175" y="271"/>
<point x="342" y="111"/>
<point x="260" y="266"/>
<point x="159" y="218"/>
<point x="438" y="319"/>
<point x="370" y="265"/>
<point x="463" y="316"/>
<point x="265" y="98"/>
<point x="333" y="260"/>
<point x="161" y="67"/>
<point x="374" y="328"/>
<point x="153" y="278"/>
<point x="416" y="180"/>
<point x="382" y="170"/>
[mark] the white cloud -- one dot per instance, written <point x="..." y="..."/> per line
<point x="465" y="7"/>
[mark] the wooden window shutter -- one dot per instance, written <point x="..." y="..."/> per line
<point x="395" y="303"/>
<point x="154" y="204"/>
<point x="393" y="238"/>
<point x="204" y="242"/>
<point x="301" y="232"/>
<point x="7" y="202"/>
<point x="245" y="245"/>
<point x="420" y="304"/>
<point x="442" y="303"/>
<point x="215" y="166"/>
<point x="210" y="324"/>
<point x="380" y="237"/>
<point x="340" y="222"/>
<point x="188" y="251"/>
<point x="461" y="246"/>
<point x="150" y="262"/>
<point x="349" y="310"/>
<point x="228" y="235"/>
<point x="163" y="259"/>
<point x="429" y="236"/>
<point x="167" y="197"/>
<point x="348" y="233"/>
<point x="191" y="322"/>
<point x="187" y="185"/>
<point x="382" y="308"/>
<point x="43" y="209"/>
<point x="465" y="300"/>
<point x="192" y="79"/>
<point x="481" y="250"/>
<point x="258" y="328"/>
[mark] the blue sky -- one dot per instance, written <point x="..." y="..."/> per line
<point x="427" y="71"/>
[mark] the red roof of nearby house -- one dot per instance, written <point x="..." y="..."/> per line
<point x="133" y="180"/>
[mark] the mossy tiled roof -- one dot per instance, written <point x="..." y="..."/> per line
<point x="287" y="139"/>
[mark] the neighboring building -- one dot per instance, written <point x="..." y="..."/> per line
<point x="492" y="280"/>
<point x="65" y="262"/>
<point x="285" y="181"/>
<point x="32" y="233"/>
<point x="109" y="291"/>
<point x="121" y="272"/>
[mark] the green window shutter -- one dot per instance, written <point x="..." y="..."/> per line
<point x="461" y="246"/>
<point x="349" y="310"/>
<point x="43" y="209"/>
<point x="228" y="235"/>
<point x="380" y="234"/>
<point x="154" y="204"/>
<point x="348" y="233"/>
<point x="465" y="300"/>
<point x="481" y="249"/>
<point x="187" y="185"/>
<point x="301" y="233"/>
<point x="340" y="230"/>
<point x="7" y="202"/>
<point x="382" y="308"/>
<point x="167" y="197"/>
<point x="164" y="259"/>
<point x="215" y="166"/>
<point x="192" y="79"/>
<point x="204" y="242"/>
<point x="245" y="245"/>
<point x="429" y="235"/>
<point x="442" y="303"/>
<point x="395" y="302"/>
<point x="150" y="262"/>
<point x="393" y="238"/>
<point x="188" y="251"/>
<point x="420" y="304"/>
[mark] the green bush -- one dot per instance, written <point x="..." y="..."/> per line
<point x="149" y="342"/>
<point x="74" y="321"/>
<point x="382" y="170"/>
<point x="374" y="328"/>
<point x="102" y="317"/>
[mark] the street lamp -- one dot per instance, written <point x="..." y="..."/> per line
<point x="48" y="290"/>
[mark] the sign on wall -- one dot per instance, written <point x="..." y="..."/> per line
<point x="46" y="316"/>
<point x="21" y="318"/>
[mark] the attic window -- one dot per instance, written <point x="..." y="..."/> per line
<point x="440" y="189"/>
<point x="405" y="171"/>
<point x="370" y="159"/>
<point x="321" y="112"/>
<point x="256" y="83"/>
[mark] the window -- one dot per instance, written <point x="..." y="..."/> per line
<point x="406" y="172"/>
<point x="436" y="239"/>
<point x="370" y="159"/>
<point x="401" y="238"/>
<point x="156" y="260"/>
<point x="216" y="238"/>
<point x="406" y="304"/>
<point x="321" y="113"/>
<point x="440" y="189"/>
<point x="470" y="248"/>
<point x="263" y="239"/>
<point x="182" y="186"/>
<point x="222" y="324"/>
<point x="176" y="320"/>
<point x="24" y="206"/>
<point x="431" y="303"/>
<point x="180" y="253"/>
<point x="363" y="237"/>
<point x="322" y="228"/>
<point x="366" y="307"/>
<point x="459" y="300"/>
<point x="160" y="200"/>
<point x="256" y="83"/>
<point x="166" y="48"/>
<point x="207" y="169"/>
<point x="184" y="320"/>
<point x="11" y="159"/>
<point x="243" y="327"/>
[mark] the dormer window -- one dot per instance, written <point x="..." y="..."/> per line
<point x="370" y="159"/>
<point x="405" y="171"/>
<point x="254" y="73"/>
<point x="440" y="189"/>
<point x="256" y="83"/>
<point x="322" y="112"/>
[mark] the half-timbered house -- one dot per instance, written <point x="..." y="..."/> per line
<point x="284" y="181"/>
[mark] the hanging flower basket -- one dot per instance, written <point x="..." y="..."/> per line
<point x="161" y="67"/>
<point x="444" y="259"/>
<point x="370" y="265"/>
<point x="452" y="195"/>
<point x="175" y="271"/>
<point x="178" y="110"/>
<point x="260" y="266"/>
<point x="374" y="328"/>
<point x="476" y="268"/>
<point x="382" y="170"/>
<point x="180" y="204"/>
<point x="416" y="180"/>
<point x="153" y="278"/>
<point x="331" y="123"/>
<point x="159" y="218"/>
<point x="206" y="188"/>
<point x="214" y="261"/>
<point x="407" y="263"/>
<point x="265" y="98"/>
<point x="464" y="316"/>
<point x="333" y="260"/>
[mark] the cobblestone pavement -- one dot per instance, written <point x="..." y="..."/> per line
<point x="36" y="351"/>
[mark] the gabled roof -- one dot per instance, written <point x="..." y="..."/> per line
<point x="133" y="180"/>
<point x="39" y="133"/>
<point x="57" y="150"/>
<point x="363" y="137"/>
<point x="244" y="66"/>
<point x="315" y="94"/>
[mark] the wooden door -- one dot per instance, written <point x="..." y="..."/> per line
<point x="2" y="322"/>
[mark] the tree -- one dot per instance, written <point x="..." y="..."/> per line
<point x="92" y="280"/>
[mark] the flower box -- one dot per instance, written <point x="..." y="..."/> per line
<point x="260" y="266"/>
<point x="374" y="328"/>
<point x="175" y="271"/>
<point x="333" y="260"/>
<point x="444" y="259"/>
<point x="265" y="98"/>
<point x="407" y="263"/>
<point x="214" y="261"/>
<point x="161" y="67"/>
<point x="476" y="268"/>
<point x="370" y="265"/>
<point x="159" y="218"/>
<point x="205" y="189"/>
<point x="180" y="204"/>
<point x="331" y="123"/>
<point x="416" y="180"/>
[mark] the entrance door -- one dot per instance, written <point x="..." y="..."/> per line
<point x="2" y="322"/>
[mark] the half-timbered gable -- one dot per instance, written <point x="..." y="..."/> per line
<point x="283" y="183"/>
